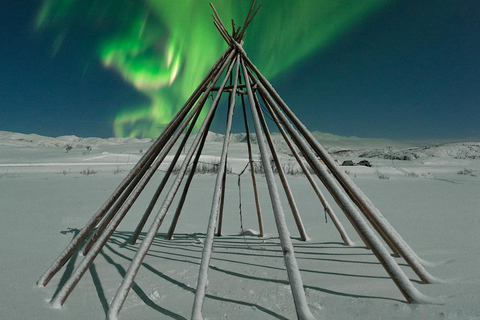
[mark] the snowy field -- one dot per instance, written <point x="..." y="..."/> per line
<point x="47" y="194"/>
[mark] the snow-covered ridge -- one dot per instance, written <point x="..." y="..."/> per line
<point x="21" y="139"/>
<point x="336" y="145"/>
<point x="458" y="150"/>
<point x="327" y="139"/>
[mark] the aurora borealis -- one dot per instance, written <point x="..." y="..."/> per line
<point x="378" y="68"/>
<point x="164" y="48"/>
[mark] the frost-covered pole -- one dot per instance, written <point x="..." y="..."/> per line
<point x="314" y="185"/>
<point x="208" y="242"/>
<point x="183" y="197"/>
<point x="222" y="203"/>
<point x="410" y="293"/>
<point x="186" y="187"/>
<point x="224" y="178"/>
<point x="162" y="139"/>
<point x="127" y="282"/>
<point x="165" y="178"/>
<point x="294" y="277"/>
<point x="113" y="211"/>
<point x="383" y="227"/>
<point x="281" y="174"/>
<point x="252" y="170"/>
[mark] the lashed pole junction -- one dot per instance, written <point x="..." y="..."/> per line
<point x="234" y="74"/>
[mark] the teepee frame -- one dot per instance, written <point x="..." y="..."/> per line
<point x="245" y="80"/>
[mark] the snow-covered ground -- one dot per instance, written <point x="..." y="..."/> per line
<point x="47" y="193"/>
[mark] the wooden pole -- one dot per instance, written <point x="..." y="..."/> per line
<point x="121" y="202"/>
<point x="281" y="174"/>
<point x="222" y="32"/>
<point x="231" y="96"/>
<point x="102" y="211"/>
<point x="110" y="228"/>
<point x="248" y="15"/>
<point x="294" y="277"/>
<point x="293" y="137"/>
<point x="383" y="227"/>
<point x="208" y="241"/>
<point x="127" y="282"/>
<point x="233" y="29"/>
<point x="183" y="197"/>
<point x="176" y="216"/>
<point x="160" y="188"/>
<point x="321" y="197"/>
<point x="313" y="166"/>
<point x="375" y="225"/>
<point x="248" y="23"/>
<point x="222" y="203"/>
<point x="219" y="20"/>
<point x="113" y="211"/>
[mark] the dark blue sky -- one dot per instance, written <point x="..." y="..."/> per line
<point x="409" y="71"/>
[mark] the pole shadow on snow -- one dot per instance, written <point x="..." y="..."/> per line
<point x="285" y="282"/>
<point x="182" y="258"/>
<point x="98" y="286"/>
<point x="136" y="288"/>
<point x="256" y="245"/>
<point x="182" y="285"/>
<point x="70" y="265"/>
<point x="187" y="248"/>
<point x="237" y="243"/>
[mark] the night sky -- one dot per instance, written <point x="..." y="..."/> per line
<point x="393" y="69"/>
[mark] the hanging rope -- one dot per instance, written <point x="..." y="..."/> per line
<point x="240" y="203"/>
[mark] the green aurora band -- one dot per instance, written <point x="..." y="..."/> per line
<point x="164" y="48"/>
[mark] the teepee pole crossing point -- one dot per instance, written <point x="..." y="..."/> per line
<point x="357" y="208"/>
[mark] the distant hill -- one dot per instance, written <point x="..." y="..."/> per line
<point x="337" y="145"/>
<point x="21" y="139"/>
